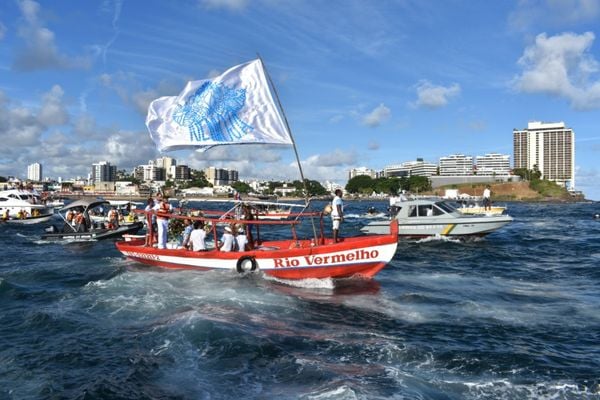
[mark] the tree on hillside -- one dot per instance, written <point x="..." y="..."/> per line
<point x="360" y="184"/>
<point x="419" y="184"/>
<point x="314" y="187"/>
<point x="198" y="180"/>
<point x="387" y="185"/>
<point x="528" y="174"/>
<point x="241" y="187"/>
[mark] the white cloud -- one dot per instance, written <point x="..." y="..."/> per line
<point x="233" y="5"/>
<point x="380" y="114"/>
<point x="53" y="111"/>
<point x="336" y="158"/>
<point x="562" y="66"/>
<point x="40" y="50"/>
<point x="433" y="96"/>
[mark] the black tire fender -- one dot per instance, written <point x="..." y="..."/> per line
<point x="242" y="262"/>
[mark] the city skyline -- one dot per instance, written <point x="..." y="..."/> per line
<point x="417" y="80"/>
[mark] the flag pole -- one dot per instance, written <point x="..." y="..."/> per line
<point x="287" y="126"/>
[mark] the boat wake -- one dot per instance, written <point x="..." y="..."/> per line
<point x="439" y="238"/>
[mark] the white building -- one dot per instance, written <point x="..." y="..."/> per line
<point x="362" y="171"/>
<point x="456" y="165"/>
<point x="34" y="172"/>
<point x="411" y="168"/>
<point x="221" y="176"/>
<point x="493" y="164"/>
<point x="152" y="172"/>
<point x="549" y="147"/>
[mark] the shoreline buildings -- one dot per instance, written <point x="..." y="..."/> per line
<point x="549" y="148"/>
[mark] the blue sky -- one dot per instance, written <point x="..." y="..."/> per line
<point x="363" y="83"/>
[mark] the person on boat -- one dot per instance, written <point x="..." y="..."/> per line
<point x="5" y="214"/>
<point x="185" y="238"/>
<point x="337" y="213"/>
<point x="487" y="198"/>
<point x="162" y="207"/>
<point x="249" y="216"/>
<point x="242" y="239"/>
<point x="151" y="222"/>
<point x="227" y="241"/>
<point x="393" y="204"/>
<point x="113" y="218"/>
<point x="79" y="221"/>
<point x="198" y="237"/>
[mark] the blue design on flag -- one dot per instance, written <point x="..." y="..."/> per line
<point x="211" y="113"/>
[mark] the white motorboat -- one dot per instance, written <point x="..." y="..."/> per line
<point x="477" y="209"/>
<point x="86" y="229"/>
<point x="23" y="207"/>
<point x="419" y="218"/>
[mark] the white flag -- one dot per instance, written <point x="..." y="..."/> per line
<point x="233" y="108"/>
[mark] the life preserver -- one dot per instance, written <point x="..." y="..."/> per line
<point x="242" y="262"/>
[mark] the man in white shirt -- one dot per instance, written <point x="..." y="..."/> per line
<point x="487" y="198"/>
<point x="337" y="213"/>
<point x="242" y="239"/>
<point x="227" y="240"/>
<point x="162" y="206"/>
<point x="198" y="237"/>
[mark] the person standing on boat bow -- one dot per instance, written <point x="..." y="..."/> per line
<point x="337" y="213"/>
<point x="161" y="207"/>
<point x="487" y="198"/>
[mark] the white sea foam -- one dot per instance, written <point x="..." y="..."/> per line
<point x="342" y="392"/>
<point x="311" y="283"/>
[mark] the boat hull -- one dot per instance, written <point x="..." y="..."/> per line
<point x="358" y="256"/>
<point x="451" y="227"/>
<point x="98" y="234"/>
<point x="30" y="220"/>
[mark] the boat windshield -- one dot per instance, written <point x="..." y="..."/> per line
<point x="445" y="206"/>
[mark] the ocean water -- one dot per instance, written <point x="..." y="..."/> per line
<point x="515" y="315"/>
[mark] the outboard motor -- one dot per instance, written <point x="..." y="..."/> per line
<point x="51" y="229"/>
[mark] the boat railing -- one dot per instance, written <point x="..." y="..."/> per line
<point x="214" y="219"/>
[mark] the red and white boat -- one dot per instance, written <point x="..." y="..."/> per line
<point x="294" y="258"/>
<point x="237" y="108"/>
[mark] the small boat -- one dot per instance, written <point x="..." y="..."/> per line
<point x="418" y="218"/>
<point x="87" y="229"/>
<point x="125" y="208"/>
<point x="473" y="208"/>
<point x="292" y="258"/>
<point x="23" y="207"/>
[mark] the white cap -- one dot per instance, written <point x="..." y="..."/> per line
<point x="228" y="229"/>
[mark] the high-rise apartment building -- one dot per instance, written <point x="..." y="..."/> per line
<point x="493" y="164"/>
<point x="34" y="172"/>
<point x="549" y="147"/>
<point x="103" y="172"/>
<point x="166" y="163"/>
